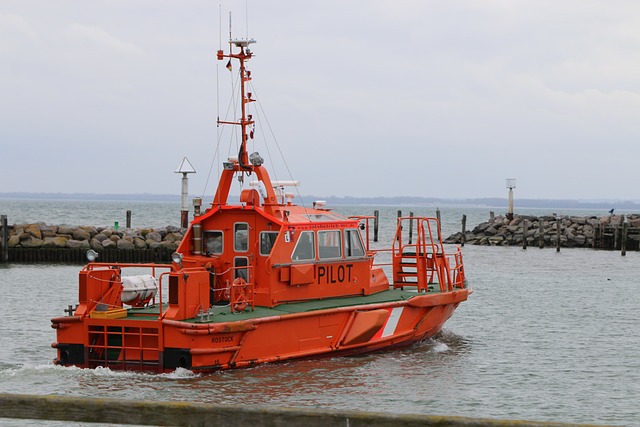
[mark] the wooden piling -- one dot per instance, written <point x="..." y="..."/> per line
<point x="540" y="232"/>
<point x="128" y="219"/>
<point x="4" y="239"/>
<point x="557" y="234"/>
<point x="439" y="224"/>
<point x="376" y="221"/>
<point x="524" y="234"/>
<point x="623" y="240"/>
<point x="410" y="227"/>
<point x="464" y="229"/>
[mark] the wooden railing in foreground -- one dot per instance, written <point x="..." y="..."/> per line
<point x="114" y="411"/>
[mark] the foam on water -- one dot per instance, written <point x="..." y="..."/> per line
<point x="180" y="374"/>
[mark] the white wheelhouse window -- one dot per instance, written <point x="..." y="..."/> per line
<point x="241" y="237"/>
<point x="329" y="244"/>
<point x="267" y="240"/>
<point x="305" y="247"/>
<point x="353" y="243"/>
<point x="214" y="242"/>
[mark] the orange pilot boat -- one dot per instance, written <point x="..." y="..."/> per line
<point x="262" y="280"/>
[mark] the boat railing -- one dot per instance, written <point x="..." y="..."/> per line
<point x="161" y="300"/>
<point x="457" y="270"/>
<point x="424" y="262"/>
<point x="124" y="270"/>
<point x="365" y="226"/>
<point x="425" y="242"/>
<point x="417" y="259"/>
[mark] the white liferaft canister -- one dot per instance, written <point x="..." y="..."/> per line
<point x="138" y="288"/>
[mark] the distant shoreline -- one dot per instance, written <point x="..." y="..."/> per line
<point x="350" y="201"/>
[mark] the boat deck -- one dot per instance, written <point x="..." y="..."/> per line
<point x="222" y="313"/>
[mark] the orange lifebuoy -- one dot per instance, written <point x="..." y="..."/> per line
<point x="239" y="281"/>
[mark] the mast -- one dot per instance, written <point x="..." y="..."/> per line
<point x="244" y="54"/>
<point x="245" y="163"/>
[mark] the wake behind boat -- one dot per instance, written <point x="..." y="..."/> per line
<point x="262" y="280"/>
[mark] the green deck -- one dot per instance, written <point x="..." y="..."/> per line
<point x="219" y="314"/>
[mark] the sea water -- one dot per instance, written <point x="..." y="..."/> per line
<point x="546" y="335"/>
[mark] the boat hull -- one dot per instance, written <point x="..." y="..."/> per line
<point x="139" y="343"/>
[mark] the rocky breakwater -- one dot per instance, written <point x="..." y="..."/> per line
<point x="41" y="235"/>
<point x="575" y="231"/>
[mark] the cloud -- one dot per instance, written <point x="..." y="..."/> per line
<point x="93" y="35"/>
<point x="15" y="31"/>
<point x="365" y="97"/>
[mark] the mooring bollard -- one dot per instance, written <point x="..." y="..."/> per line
<point x="4" y="240"/>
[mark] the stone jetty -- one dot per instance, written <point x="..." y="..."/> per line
<point x="39" y="242"/>
<point x="604" y="232"/>
<point x="41" y="235"/>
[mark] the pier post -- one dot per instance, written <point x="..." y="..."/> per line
<point x="399" y="232"/>
<point x="557" y="234"/>
<point x="464" y="229"/>
<point x="540" y="232"/>
<point x="439" y="224"/>
<point x="524" y="234"/>
<point x="128" y="219"/>
<point x="376" y="220"/>
<point x="4" y="240"/>
<point x="410" y="227"/>
<point x="623" y="240"/>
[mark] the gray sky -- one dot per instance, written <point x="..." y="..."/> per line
<point x="365" y="98"/>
